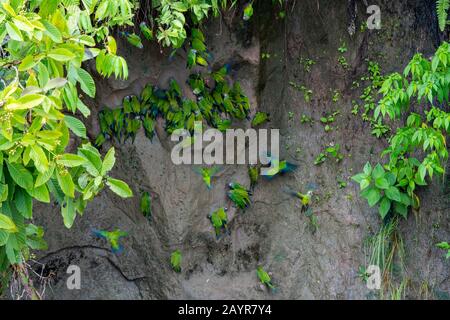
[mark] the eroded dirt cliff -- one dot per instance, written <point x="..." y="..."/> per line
<point x="272" y="232"/>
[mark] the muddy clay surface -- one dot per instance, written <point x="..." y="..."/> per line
<point x="272" y="232"/>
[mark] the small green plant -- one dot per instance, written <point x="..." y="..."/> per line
<point x="343" y="62"/>
<point x="328" y="120"/>
<point x="343" y="48"/>
<point x="380" y="187"/>
<point x="290" y="115"/>
<point x="445" y="246"/>
<point x="363" y="274"/>
<point x="307" y="93"/>
<point x="331" y="151"/>
<point x="379" y="129"/>
<point x="321" y="158"/>
<point x="336" y="96"/>
<point x="307" y="64"/>
<point x="306" y="119"/>
<point x="342" y="183"/>
<point x="334" y="151"/>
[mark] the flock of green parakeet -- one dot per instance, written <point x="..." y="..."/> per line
<point x="217" y="103"/>
<point x="216" y="106"/>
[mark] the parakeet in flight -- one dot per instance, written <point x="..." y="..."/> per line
<point x="279" y="167"/>
<point x="112" y="237"/>
<point x="304" y="198"/>
<point x="207" y="174"/>
<point x="239" y="195"/>
<point x="265" y="278"/>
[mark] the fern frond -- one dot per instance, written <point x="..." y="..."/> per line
<point x="442" y="12"/>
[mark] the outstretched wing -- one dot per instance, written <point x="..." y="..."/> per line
<point x="215" y="170"/>
<point x="290" y="191"/>
<point x="198" y="170"/>
<point x="100" y="233"/>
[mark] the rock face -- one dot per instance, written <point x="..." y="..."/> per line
<point x="273" y="232"/>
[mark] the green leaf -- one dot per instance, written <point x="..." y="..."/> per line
<point x="373" y="196"/>
<point x="7" y="224"/>
<point x="87" y="84"/>
<point x="385" y="205"/>
<point x="20" y="175"/>
<point x="378" y="172"/>
<point x="76" y="126"/>
<point x="119" y="187"/>
<point x="108" y="161"/>
<point x="61" y="54"/>
<point x="27" y="63"/>
<point x="66" y="183"/>
<point x="71" y="160"/>
<point x="26" y="102"/>
<point x="24" y="203"/>
<point x="393" y="193"/>
<point x="68" y="212"/>
<point x="13" y="31"/>
<point x="41" y="194"/>
<point x="52" y="32"/>
<point x="381" y="183"/>
<point x="93" y="163"/>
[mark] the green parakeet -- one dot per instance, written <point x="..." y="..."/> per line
<point x="133" y="39"/>
<point x="260" y="118"/>
<point x="265" y="278"/>
<point x="175" y="260"/>
<point x="219" y="220"/>
<point x="239" y="195"/>
<point x="248" y="11"/>
<point x="207" y="174"/>
<point x="112" y="237"/>
<point x="304" y="198"/>
<point x="145" y="204"/>
<point x="149" y="126"/>
<point x="146" y="31"/>
<point x="279" y="167"/>
<point x="191" y="58"/>
<point x="253" y="174"/>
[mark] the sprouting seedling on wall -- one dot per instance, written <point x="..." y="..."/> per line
<point x="265" y="279"/>
<point x="145" y="204"/>
<point x="112" y="237"/>
<point x="239" y="195"/>
<point x="207" y="174"/>
<point x="175" y="260"/>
